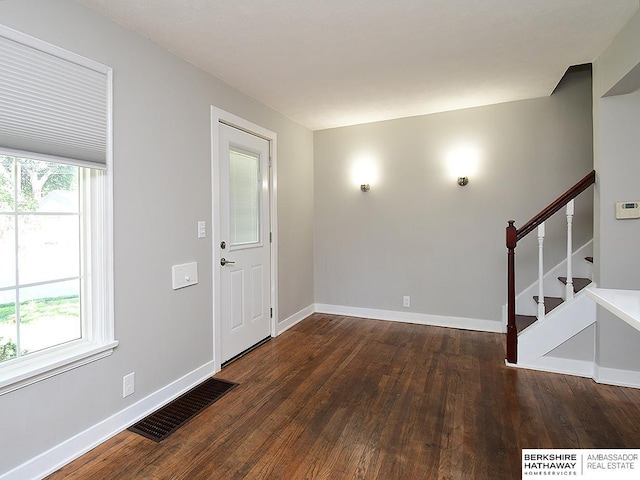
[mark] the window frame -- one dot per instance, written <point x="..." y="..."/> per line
<point x="98" y="340"/>
<point x="97" y="188"/>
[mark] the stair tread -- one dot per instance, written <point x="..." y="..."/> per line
<point x="549" y="303"/>
<point x="523" y="321"/>
<point x="578" y="282"/>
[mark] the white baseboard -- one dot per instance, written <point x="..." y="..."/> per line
<point x="614" y="376"/>
<point x="63" y="453"/>
<point x="293" y="319"/>
<point x="463" y="323"/>
<point x="583" y="368"/>
<point x="565" y="366"/>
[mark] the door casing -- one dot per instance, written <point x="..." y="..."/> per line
<point x="218" y="117"/>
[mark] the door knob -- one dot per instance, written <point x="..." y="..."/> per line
<point x="224" y="261"/>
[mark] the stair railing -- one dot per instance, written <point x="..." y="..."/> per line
<point x="514" y="235"/>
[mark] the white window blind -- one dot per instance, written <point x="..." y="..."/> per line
<point x="244" y="197"/>
<point x="53" y="102"/>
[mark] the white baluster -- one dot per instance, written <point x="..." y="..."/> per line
<point x="569" y="286"/>
<point x="540" y="272"/>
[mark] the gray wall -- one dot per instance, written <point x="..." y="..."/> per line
<point x="162" y="188"/>
<point x="418" y="233"/>
<point x="579" y="347"/>
<point x="617" y="147"/>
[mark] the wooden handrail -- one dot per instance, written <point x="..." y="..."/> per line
<point x="513" y="235"/>
<point x="560" y="202"/>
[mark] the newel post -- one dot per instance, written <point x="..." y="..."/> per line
<point x="512" y="333"/>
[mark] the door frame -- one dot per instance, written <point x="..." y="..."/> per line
<point x="220" y="117"/>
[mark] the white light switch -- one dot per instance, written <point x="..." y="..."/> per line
<point x="202" y="229"/>
<point x="184" y="275"/>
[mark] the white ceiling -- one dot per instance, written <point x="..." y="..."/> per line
<point x="329" y="63"/>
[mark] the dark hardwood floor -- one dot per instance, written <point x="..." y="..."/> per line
<point x="348" y="398"/>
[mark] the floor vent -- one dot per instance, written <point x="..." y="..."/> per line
<point x="163" y="422"/>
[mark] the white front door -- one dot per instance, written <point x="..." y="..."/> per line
<point x="244" y="255"/>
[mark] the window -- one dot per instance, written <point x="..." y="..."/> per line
<point x="55" y="211"/>
<point x="244" y="197"/>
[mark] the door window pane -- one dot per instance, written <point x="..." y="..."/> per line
<point x="244" y="197"/>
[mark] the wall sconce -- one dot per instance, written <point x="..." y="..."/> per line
<point x="462" y="161"/>
<point x="364" y="171"/>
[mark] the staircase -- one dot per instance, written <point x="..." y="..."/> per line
<point x="546" y="320"/>
<point x="551" y="303"/>
<point x="563" y="319"/>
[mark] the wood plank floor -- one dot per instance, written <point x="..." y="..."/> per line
<point x="344" y="398"/>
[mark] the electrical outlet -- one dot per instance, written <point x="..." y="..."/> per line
<point x="128" y="384"/>
<point x="406" y="301"/>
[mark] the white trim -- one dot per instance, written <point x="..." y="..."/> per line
<point x="561" y="324"/>
<point x="219" y="116"/>
<point x="615" y="376"/>
<point x="565" y="366"/>
<point x="624" y="304"/>
<point x="583" y="368"/>
<point x="294" y="319"/>
<point x="72" y="448"/>
<point x="32" y="370"/>
<point x="463" y="323"/>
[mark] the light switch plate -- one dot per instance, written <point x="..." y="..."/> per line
<point x="202" y="229"/>
<point x="184" y="275"/>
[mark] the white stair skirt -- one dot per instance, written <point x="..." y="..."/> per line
<point x="560" y="325"/>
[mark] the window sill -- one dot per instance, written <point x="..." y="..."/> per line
<point x="40" y="367"/>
